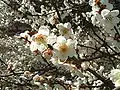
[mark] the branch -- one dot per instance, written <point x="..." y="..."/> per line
<point x="7" y="75"/>
<point x="54" y="5"/>
<point x="3" y="62"/>
<point x="106" y="82"/>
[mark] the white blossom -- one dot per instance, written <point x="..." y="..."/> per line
<point x="65" y="30"/>
<point x="64" y="48"/>
<point x="110" y="18"/>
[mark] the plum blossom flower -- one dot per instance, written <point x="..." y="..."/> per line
<point x="110" y="18"/>
<point x="65" y="30"/>
<point x="64" y="48"/>
<point x="41" y="36"/>
<point x="39" y="40"/>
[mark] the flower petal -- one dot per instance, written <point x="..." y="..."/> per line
<point x="67" y="25"/>
<point x="61" y="39"/>
<point x="114" y="12"/>
<point x="105" y="13"/>
<point x="44" y="30"/>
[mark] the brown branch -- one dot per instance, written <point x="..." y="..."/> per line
<point x="106" y="82"/>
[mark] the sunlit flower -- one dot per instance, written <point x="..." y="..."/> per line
<point x="38" y="80"/>
<point x="44" y="30"/>
<point x="65" y="30"/>
<point x="64" y="48"/>
<point x="110" y="18"/>
<point x="41" y="36"/>
<point x="27" y="73"/>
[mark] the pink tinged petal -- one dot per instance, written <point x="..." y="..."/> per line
<point x="105" y="13"/>
<point x="114" y="12"/>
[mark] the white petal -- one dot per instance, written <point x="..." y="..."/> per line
<point x="60" y="26"/>
<point x="44" y="30"/>
<point x="71" y="52"/>
<point x="70" y="43"/>
<point x="109" y="6"/>
<point x="67" y="25"/>
<point x="95" y="8"/>
<point x="116" y="20"/>
<point x="105" y="13"/>
<point x="63" y="57"/>
<point x="56" y="46"/>
<point x="93" y="20"/>
<point x="85" y="65"/>
<point x="114" y="12"/>
<point x="41" y="47"/>
<point x="33" y="46"/>
<point x="61" y="39"/>
<point x="51" y="39"/>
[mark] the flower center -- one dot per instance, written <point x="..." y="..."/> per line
<point x="40" y="38"/>
<point x="65" y="31"/>
<point x="63" y="48"/>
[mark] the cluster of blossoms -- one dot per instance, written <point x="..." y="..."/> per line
<point x="103" y="15"/>
<point x="59" y="46"/>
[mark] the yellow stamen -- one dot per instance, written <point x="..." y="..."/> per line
<point x="63" y="48"/>
<point x="65" y="31"/>
<point x="40" y="38"/>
